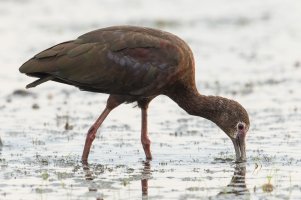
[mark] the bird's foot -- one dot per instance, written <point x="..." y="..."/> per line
<point x="85" y="162"/>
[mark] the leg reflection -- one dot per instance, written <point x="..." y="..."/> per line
<point x="88" y="172"/>
<point x="145" y="175"/>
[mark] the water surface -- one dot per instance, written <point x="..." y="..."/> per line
<point x="245" y="50"/>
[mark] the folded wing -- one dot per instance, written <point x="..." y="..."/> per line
<point x="109" y="61"/>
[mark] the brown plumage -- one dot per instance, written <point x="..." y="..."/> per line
<point x="136" y="64"/>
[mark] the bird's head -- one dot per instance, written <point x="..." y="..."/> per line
<point x="239" y="141"/>
<point x="233" y="119"/>
<point x="227" y="114"/>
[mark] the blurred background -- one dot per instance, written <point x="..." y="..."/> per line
<point x="245" y="50"/>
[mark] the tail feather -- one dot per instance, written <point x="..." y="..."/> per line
<point x="39" y="81"/>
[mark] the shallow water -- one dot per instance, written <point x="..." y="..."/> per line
<point x="245" y="50"/>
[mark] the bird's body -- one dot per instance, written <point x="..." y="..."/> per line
<point x="134" y="64"/>
<point x="132" y="61"/>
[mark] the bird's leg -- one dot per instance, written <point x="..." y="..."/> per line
<point x="92" y="134"/>
<point x="144" y="134"/>
<point x="112" y="103"/>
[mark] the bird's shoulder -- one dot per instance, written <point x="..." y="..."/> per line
<point x="141" y="43"/>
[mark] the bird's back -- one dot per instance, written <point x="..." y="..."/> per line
<point x="117" y="60"/>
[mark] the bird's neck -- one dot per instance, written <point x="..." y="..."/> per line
<point x="209" y="107"/>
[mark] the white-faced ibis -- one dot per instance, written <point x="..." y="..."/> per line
<point x="136" y="64"/>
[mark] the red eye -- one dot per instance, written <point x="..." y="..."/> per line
<point x="240" y="126"/>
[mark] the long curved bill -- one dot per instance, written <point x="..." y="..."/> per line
<point x="240" y="149"/>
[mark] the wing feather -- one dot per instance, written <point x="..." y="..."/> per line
<point x="116" y="62"/>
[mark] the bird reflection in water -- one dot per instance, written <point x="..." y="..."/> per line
<point x="237" y="185"/>
<point x="1" y="145"/>
<point x="145" y="175"/>
<point x="88" y="172"/>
